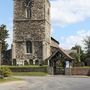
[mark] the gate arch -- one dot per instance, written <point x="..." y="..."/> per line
<point x="59" y="57"/>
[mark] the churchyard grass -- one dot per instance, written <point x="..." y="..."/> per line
<point x="9" y="79"/>
<point x="30" y="74"/>
<point x="83" y="67"/>
<point x="24" y="66"/>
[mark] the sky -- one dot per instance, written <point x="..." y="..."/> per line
<point x="70" y="20"/>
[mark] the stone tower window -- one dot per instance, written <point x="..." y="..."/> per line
<point x="28" y="13"/>
<point x="48" y="12"/>
<point x="28" y="4"/>
<point x="29" y="46"/>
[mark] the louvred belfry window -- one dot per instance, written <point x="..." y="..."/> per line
<point x="28" y="5"/>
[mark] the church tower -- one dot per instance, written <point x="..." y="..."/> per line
<point x="31" y="31"/>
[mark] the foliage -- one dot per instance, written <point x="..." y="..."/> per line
<point x="87" y="44"/>
<point x="3" y="32"/>
<point x="5" y="71"/>
<point x="75" y="56"/>
<point x="87" y="47"/>
<point x="60" y="63"/>
<point x="79" y="55"/>
<point x="83" y="56"/>
<point x="3" y="36"/>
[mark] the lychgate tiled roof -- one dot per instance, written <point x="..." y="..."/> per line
<point x="61" y="51"/>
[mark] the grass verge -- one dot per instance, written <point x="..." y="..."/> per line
<point x="30" y="74"/>
<point x="82" y="67"/>
<point x="27" y="66"/>
<point x="9" y="79"/>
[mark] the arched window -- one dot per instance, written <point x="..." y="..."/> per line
<point x="29" y="46"/>
<point x="48" y="12"/>
<point x="28" y="13"/>
<point x="28" y="5"/>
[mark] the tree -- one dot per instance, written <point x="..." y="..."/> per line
<point x="3" y="36"/>
<point x="3" y="32"/>
<point x="79" y="55"/>
<point x="87" y="44"/>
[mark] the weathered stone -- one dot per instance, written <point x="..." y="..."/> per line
<point x="31" y="23"/>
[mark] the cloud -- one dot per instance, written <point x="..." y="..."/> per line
<point x="65" y="12"/>
<point x="70" y="41"/>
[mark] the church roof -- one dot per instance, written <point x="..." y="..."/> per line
<point x="54" y="40"/>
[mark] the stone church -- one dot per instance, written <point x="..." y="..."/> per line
<point x="32" y="41"/>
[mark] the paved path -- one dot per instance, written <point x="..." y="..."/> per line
<point x="49" y="83"/>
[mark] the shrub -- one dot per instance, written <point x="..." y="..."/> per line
<point x="1" y="75"/>
<point x="5" y="71"/>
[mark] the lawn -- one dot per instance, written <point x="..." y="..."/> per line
<point x="83" y="67"/>
<point x="26" y="66"/>
<point x="30" y="74"/>
<point x="9" y="79"/>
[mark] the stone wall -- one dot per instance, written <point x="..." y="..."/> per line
<point x="50" y="70"/>
<point x="29" y="30"/>
<point x="77" y="71"/>
<point x="80" y="71"/>
<point x="68" y="71"/>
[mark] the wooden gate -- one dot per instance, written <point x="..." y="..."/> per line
<point x="59" y="68"/>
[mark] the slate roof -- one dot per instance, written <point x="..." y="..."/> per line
<point x="54" y="40"/>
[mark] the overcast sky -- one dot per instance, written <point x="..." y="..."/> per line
<point x="70" y="20"/>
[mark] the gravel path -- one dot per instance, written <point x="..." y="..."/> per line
<point x="49" y="83"/>
<point x="16" y="85"/>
